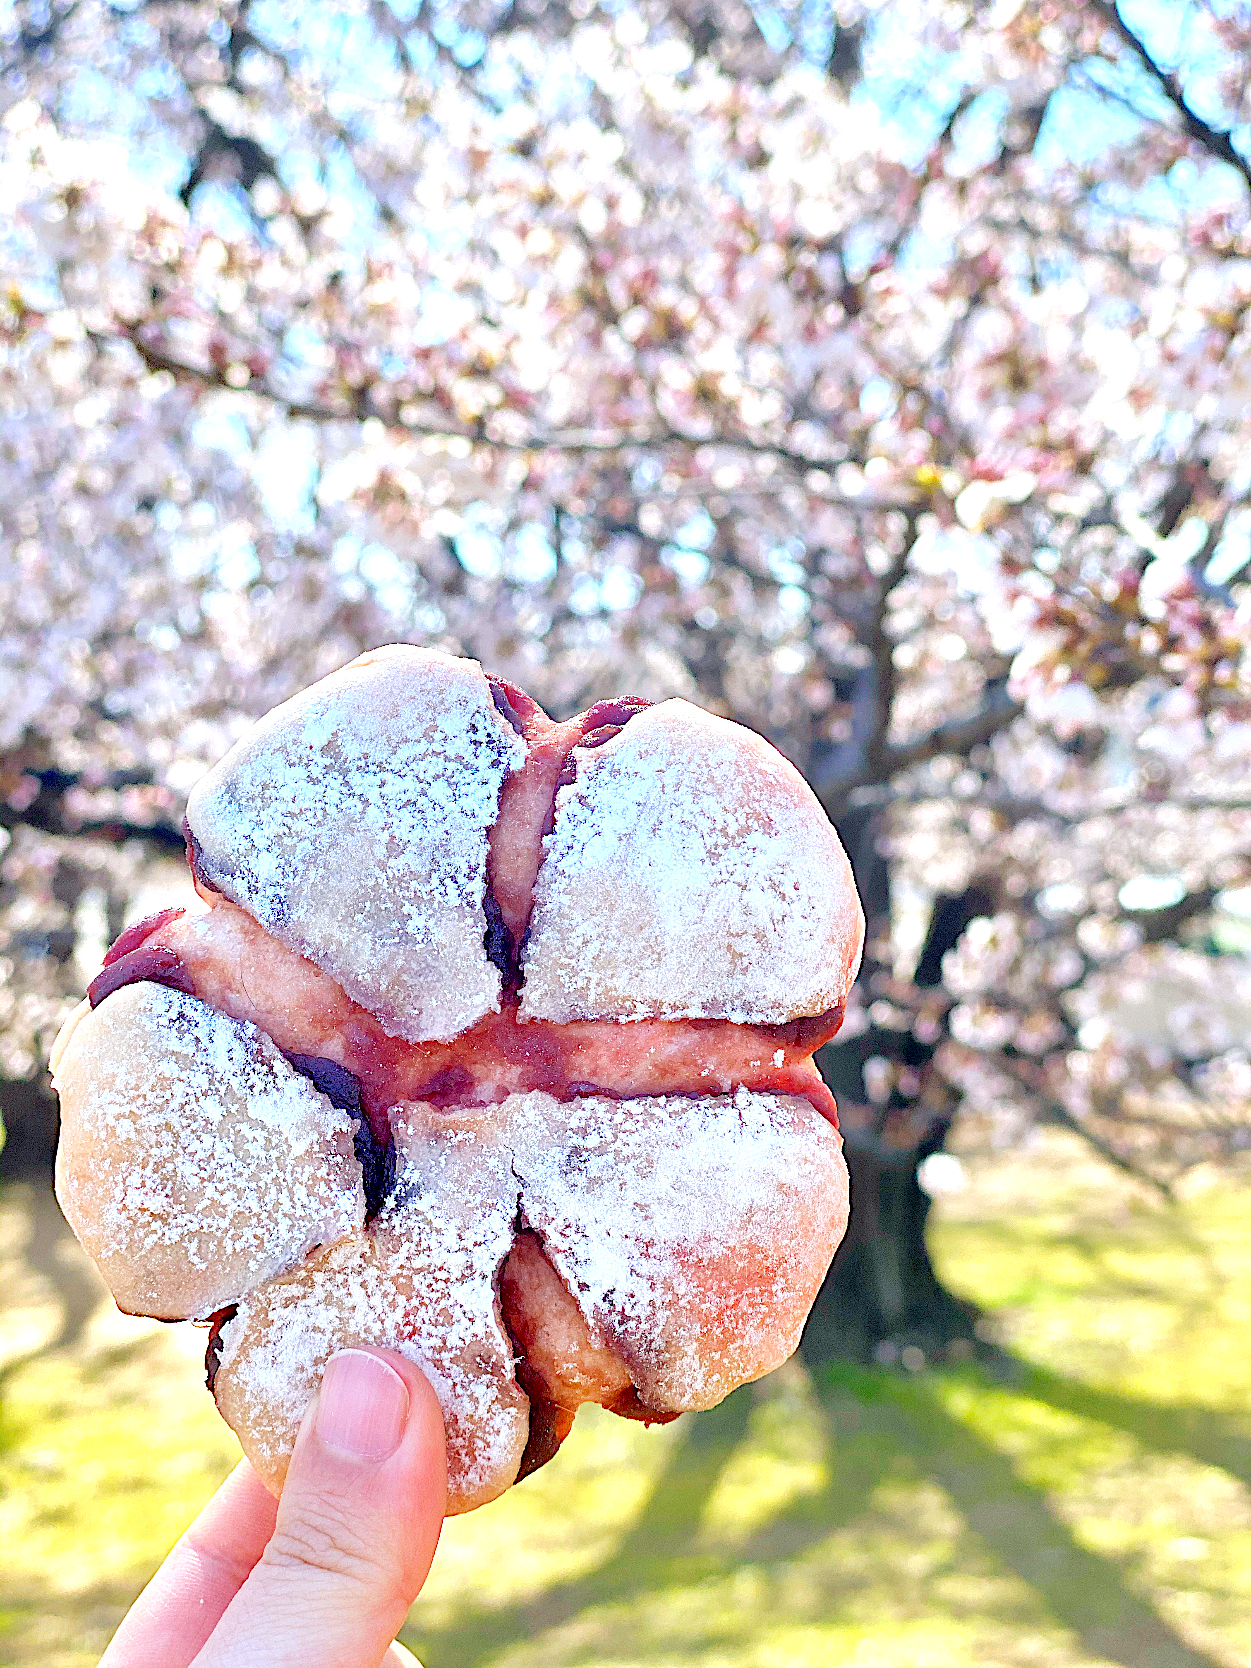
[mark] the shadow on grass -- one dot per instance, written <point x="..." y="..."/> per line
<point x="51" y="1252"/>
<point x="657" y="1546"/>
<point x="1203" y="1434"/>
<point x="1085" y="1592"/>
<point x="904" y="1420"/>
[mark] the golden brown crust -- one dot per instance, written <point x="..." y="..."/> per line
<point x="564" y="1364"/>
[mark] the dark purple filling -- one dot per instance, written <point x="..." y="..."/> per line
<point x="601" y="723"/>
<point x="342" y="1088"/>
<point x="805" y="1033"/>
<point x="549" y="1426"/>
<point x="615" y="714"/>
<point x="498" y="940"/>
<point x="450" y="1086"/>
<point x="503" y="705"/>
<point x="377" y="1162"/>
<point x="195" y="859"/>
<point x="513" y="705"/>
<point x="153" y="963"/>
<point x="597" y="738"/>
<point x="213" y="1350"/>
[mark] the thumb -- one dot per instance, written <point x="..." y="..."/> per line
<point x="358" y="1523"/>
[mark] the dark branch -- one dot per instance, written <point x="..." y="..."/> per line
<point x="577" y="443"/>
<point x="1031" y="1081"/>
<point x="881" y="645"/>
<point x="1058" y="1113"/>
<point x="1023" y="810"/>
<point x="45" y="811"/>
<point x="957" y="735"/>
<point x="1213" y="140"/>
<point x="242" y="160"/>
<point x="1159" y="926"/>
<point x="42" y="38"/>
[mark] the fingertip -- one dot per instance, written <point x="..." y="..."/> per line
<point x="425" y="1419"/>
<point x="357" y="1526"/>
<point x="424" y="1456"/>
<point x="425" y="1433"/>
<point x="398" y="1476"/>
<point x="423" y="1453"/>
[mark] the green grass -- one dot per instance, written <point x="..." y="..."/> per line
<point x="1088" y="1504"/>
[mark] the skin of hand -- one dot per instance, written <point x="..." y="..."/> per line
<point x="324" y="1577"/>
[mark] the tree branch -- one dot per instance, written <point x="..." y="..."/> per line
<point x="957" y="735"/>
<point x="44" y="812"/>
<point x="1217" y="143"/>
<point x="1021" y="810"/>
<point x="882" y="648"/>
<point x="832" y="779"/>
<point x="1059" y="1113"/>
<point x="575" y="442"/>
<point x="1160" y="925"/>
<point x="115" y="830"/>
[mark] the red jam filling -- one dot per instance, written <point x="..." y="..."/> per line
<point x="134" y="936"/>
<point x="501" y="1055"/>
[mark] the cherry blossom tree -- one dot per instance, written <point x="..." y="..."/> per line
<point x="876" y="375"/>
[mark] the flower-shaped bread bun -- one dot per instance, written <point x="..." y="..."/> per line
<point x="493" y="1046"/>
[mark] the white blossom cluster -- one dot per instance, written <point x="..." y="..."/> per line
<point x="893" y="401"/>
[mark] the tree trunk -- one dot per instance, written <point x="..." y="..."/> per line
<point x="28" y="1113"/>
<point x="882" y="1295"/>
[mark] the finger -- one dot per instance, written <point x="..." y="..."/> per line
<point x="185" y="1599"/>
<point x="358" y="1523"/>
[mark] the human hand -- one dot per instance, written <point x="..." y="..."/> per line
<point x="324" y="1577"/>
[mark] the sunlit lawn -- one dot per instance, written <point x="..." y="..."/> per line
<point x="1093" y="1507"/>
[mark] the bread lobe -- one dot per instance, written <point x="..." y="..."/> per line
<point x="194" y="1162"/>
<point x="691" y="873"/>
<point x="352" y="822"/>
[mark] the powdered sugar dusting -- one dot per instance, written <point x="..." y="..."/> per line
<point x="194" y="1161"/>
<point x="421" y="1279"/>
<point x="691" y="873"/>
<point x="693" y="1232"/>
<point x="352" y="822"/>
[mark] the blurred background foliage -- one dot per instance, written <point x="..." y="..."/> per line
<point x="873" y="373"/>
